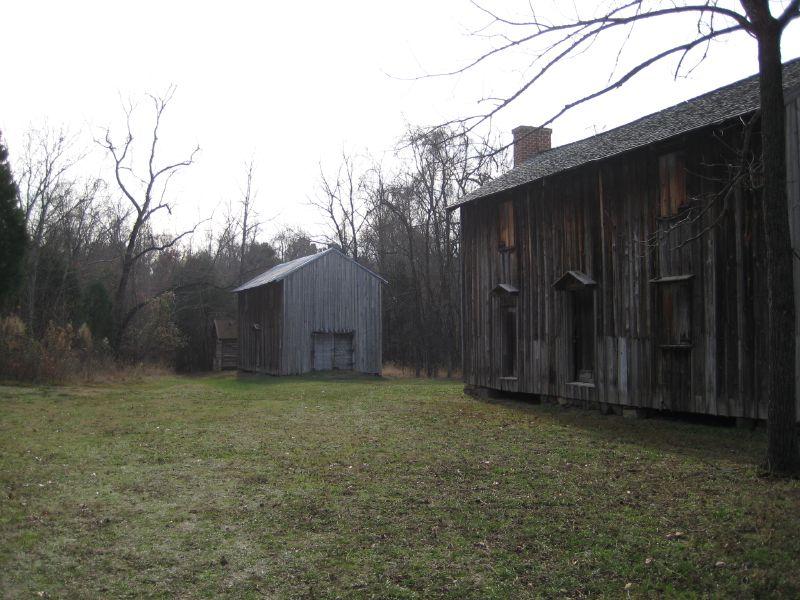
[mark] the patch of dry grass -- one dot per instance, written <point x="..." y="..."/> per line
<point x="394" y="371"/>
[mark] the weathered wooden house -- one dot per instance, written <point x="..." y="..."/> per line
<point x="316" y="313"/>
<point x="623" y="269"/>
<point x="226" y="344"/>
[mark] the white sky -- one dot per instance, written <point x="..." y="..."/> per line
<point x="292" y="84"/>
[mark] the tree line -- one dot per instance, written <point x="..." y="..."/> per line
<point x="97" y="256"/>
<point x="396" y="221"/>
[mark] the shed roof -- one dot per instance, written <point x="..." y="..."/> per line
<point x="718" y="106"/>
<point x="226" y="329"/>
<point x="281" y="271"/>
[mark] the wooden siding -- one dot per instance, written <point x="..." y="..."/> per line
<point x="658" y="267"/>
<point x="261" y="329"/>
<point x="226" y="354"/>
<point x="332" y="295"/>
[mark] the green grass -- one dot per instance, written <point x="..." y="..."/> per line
<point x="320" y="487"/>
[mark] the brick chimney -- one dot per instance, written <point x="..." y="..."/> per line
<point x="529" y="141"/>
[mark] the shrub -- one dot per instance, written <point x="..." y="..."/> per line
<point x="63" y="354"/>
<point x="20" y="355"/>
<point x="58" y="359"/>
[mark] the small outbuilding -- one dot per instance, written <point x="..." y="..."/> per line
<point x="316" y="313"/>
<point x="226" y="344"/>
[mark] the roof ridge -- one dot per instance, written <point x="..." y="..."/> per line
<point x="687" y="115"/>
<point x="656" y="112"/>
<point x="282" y="270"/>
<point x="291" y="264"/>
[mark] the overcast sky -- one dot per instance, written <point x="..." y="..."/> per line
<point x="292" y="84"/>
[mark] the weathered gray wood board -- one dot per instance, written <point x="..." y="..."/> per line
<point x="343" y="351"/>
<point x="226" y="355"/>
<point x="322" y="351"/>
<point x="678" y="294"/>
<point x="296" y="324"/>
<point x="261" y="329"/>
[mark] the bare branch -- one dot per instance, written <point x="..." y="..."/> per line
<point x="168" y="244"/>
<point x="791" y="12"/>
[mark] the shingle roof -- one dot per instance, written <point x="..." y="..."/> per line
<point x="712" y="108"/>
<point x="281" y="271"/>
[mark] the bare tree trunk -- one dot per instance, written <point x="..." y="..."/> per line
<point x="782" y="446"/>
<point x="714" y="20"/>
<point x="147" y="196"/>
<point x="122" y="289"/>
<point x="247" y="201"/>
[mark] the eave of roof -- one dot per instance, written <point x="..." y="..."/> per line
<point x="227" y="329"/>
<point x="713" y="108"/>
<point x="283" y="270"/>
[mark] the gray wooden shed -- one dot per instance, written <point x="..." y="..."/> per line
<point x="316" y="313"/>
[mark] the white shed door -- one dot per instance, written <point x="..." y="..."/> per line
<point x="343" y="351"/>
<point x="323" y="351"/>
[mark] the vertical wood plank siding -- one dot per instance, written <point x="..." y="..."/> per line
<point x="331" y="294"/>
<point x="598" y="219"/>
<point x="226" y="354"/>
<point x="260" y="329"/>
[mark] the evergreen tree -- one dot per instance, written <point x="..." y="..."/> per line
<point x="12" y="229"/>
<point x="98" y="311"/>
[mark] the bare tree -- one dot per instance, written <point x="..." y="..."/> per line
<point x="43" y="187"/>
<point x="448" y="164"/>
<point x="147" y="195"/>
<point x="54" y="202"/>
<point x="552" y="42"/>
<point x="343" y="203"/>
<point x="291" y="243"/>
<point x="249" y="224"/>
<point x="445" y="164"/>
<point x="409" y="236"/>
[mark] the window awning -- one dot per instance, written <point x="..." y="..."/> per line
<point x="505" y="289"/>
<point x="672" y="279"/>
<point x="573" y="281"/>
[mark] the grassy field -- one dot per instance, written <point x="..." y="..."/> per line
<point x="322" y="487"/>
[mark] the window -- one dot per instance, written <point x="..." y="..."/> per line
<point x="673" y="308"/>
<point x="580" y="288"/>
<point x="583" y="335"/>
<point x="506" y="233"/>
<point x="508" y="332"/>
<point x="672" y="181"/>
<point x="672" y="297"/>
<point x="507" y="260"/>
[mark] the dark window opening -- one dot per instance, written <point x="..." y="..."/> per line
<point x="506" y="233"/>
<point x="507" y="265"/>
<point x="509" y="341"/>
<point x="583" y="335"/>
<point x="672" y="180"/>
<point x="674" y="318"/>
<point x="673" y="330"/>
